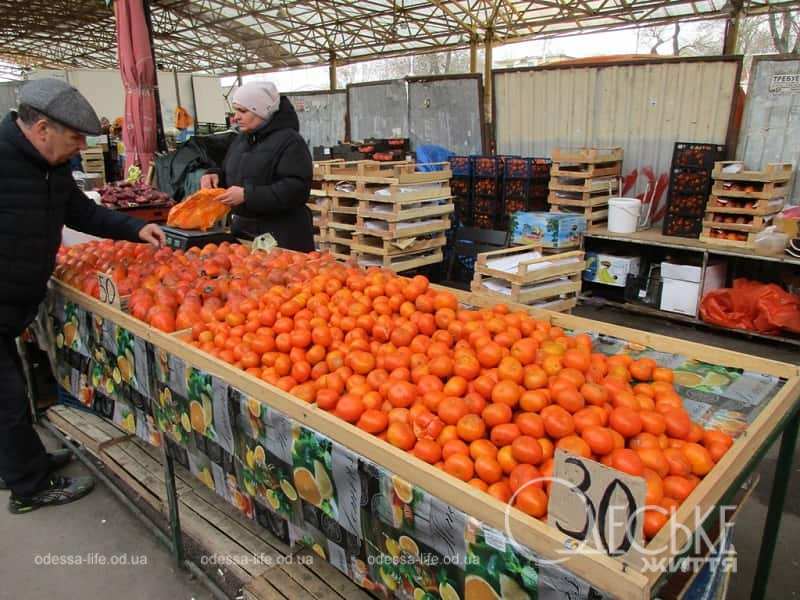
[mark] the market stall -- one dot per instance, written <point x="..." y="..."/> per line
<point x="361" y="502"/>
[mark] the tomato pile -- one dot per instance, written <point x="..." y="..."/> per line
<point x="485" y="395"/>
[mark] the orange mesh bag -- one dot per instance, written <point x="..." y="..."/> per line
<point x="763" y="307"/>
<point x="199" y="211"/>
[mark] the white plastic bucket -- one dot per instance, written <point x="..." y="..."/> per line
<point x="623" y="214"/>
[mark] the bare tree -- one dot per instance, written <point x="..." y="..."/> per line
<point x="784" y="26"/>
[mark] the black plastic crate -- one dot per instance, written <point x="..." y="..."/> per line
<point x="697" y="155"/>
<point x="517" y="168"/>
<point x="461" y="166"/>
<point x="513" y="205"/>
<point x="689" y="182"/>
<point x="687" y="206"/>
<point x="677" y="226"/>
<point x="486" y="186"/>
<point x="464" y="209"/>
<point x="515" y="189"/>
<point x="460" y="186"/>
<point x="540" y="168"/>
<point x="484" y="221"/>
<point x="486" y="204"/>
<point x="487" y="166"/>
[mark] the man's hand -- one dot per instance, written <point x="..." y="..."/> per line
<point x="233" y="196"/>
<point x="153" y="234"/>
<point x="211" y="180"/>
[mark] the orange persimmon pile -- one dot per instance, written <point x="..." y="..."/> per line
<point x="485" y="395"/>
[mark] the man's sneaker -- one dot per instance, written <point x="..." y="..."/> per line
<point x="58" y="459"/>
<point x="61" y="490"/>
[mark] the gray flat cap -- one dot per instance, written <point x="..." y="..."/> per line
<point x="61" y="102"/>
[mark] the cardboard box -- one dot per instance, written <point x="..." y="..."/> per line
<point x="790" y="227"/>
<point x="680" y="290"/>
<point x="551" y="230"/>
<point x="610" y="269"/>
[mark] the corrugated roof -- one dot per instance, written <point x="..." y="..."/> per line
<point x="223" y="36"/>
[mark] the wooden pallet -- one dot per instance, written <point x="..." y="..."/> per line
<point x="320" y="167"/>
<point x="399" y="262"/>
<point x="370" y="171"/>
<point x="587" y="155"/>
<point x="773" y="172"/>
<point x="391" y="192"/>
<point x="338" y="236"/>
<point x="562" y="292"/>
<point x="343" y="221"/>
<point x="389" y="230"/>
<point x="344" y="205"/>
<point x="761" y="207"/>
<point x="524" y="265"/>
<point x="396" y="211"/>
<point x="585" y="170"/>
<point x="596" y="216"/>
<point x="338" y="251"/>
<point x="606" y="186"/>
<point x="768" y="190"/>
<point x="369" y="244"/>
<point x="758" y="223"/>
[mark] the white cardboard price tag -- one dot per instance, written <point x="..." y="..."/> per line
<point x="597" y="505"/>
<point x="109" y="293"/>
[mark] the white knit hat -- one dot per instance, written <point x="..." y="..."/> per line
<point x="259" y="97"/>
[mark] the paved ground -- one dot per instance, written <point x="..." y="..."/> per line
<point x="96" y="526"/>
<point x="100" y="524"/>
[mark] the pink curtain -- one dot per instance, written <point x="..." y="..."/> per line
<point x="138" y="78"/>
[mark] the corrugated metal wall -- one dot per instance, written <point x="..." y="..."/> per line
<point x="771" y="124"/>
<point x="644" y="108"/>
<point x="8" y="96"/>
<point x="378" y="109"/>
<point x="322" y="116"/>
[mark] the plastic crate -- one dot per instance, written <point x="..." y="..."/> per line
<point x="460" y="186"/>
<point x="687" y="206"/>
<point x="517" y="168"/>
<point x="486" y="186"/>
<point x="463" y="206"/>
<point x="689" y="182"/>
<point x="484" y="221"/>
<point x="487" y="166"/>
<point x="515" y="189"/>
<point x="677" y="226"/>
<point x="697" y="155"/>
<point x="513" y="205"/>
<point x="461" y="166"/>
<point x="486" y="204"/>
<point x="540" y="168"/>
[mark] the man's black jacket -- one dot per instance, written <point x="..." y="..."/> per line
<point x="36" y="201"/>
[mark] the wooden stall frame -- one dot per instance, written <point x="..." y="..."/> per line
<point x="614" y="576"/>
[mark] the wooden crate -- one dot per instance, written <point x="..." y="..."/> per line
<point x="583" y="200"/>
<point x="596" y="216"/>
<point x="558" y="295"/>
<point x="321" y="167"/>
<point x="587" y="155"/>
<point x="401" y="229"/>
<point x="369" y="244"/>
<point x="626" y="581"/>
<point x="758" y="223"/>
<point x="342" y="221"/>
<point x="585" y="170"/>
<point x="604" y="185"/>
<point x="760" y="207"/>
<point x="705" y="236"/>
<point x="405" y="211"/>
<point x="525" y="264"/>
<point x="370" y="171"/>
<point x="774" y="172"/>
<point x="399" y="262"/>
<point x="344" y="205"/>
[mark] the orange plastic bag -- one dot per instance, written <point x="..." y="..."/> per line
<point x="762" y="307"/>
<point x="199" y="211"/>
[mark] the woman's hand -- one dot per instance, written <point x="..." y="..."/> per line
<point x="211" y="180"/>
<point x="233" y="196"/>
<point x="153" y="234"/>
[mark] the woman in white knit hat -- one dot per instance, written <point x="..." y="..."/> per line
<point x="267" y="171"/>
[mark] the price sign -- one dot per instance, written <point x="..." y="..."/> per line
<point x="108" y="290"/>
<point x="597" y="505"/>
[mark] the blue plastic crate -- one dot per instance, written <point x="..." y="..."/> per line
<point x="517" y="168"/>
<point x="487" y="166"/>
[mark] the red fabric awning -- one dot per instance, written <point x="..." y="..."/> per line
<point x="136" y="64"/>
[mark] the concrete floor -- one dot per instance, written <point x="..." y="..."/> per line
<point x="100" y="524"/>
<point x="95" y="526"/>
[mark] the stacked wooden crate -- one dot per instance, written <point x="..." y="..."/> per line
<point x="582" y="180"/>
<point x="523" y="275"/>
<point x="389" y="214"/>
<point x="319" y="204"/>
<point x="743" y="203"/>
<point x="93" y="162"/>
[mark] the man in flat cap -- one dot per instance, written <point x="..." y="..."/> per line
<point x="37" y="198"/>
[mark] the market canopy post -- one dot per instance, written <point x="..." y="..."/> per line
<point x="136" y="65"/>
